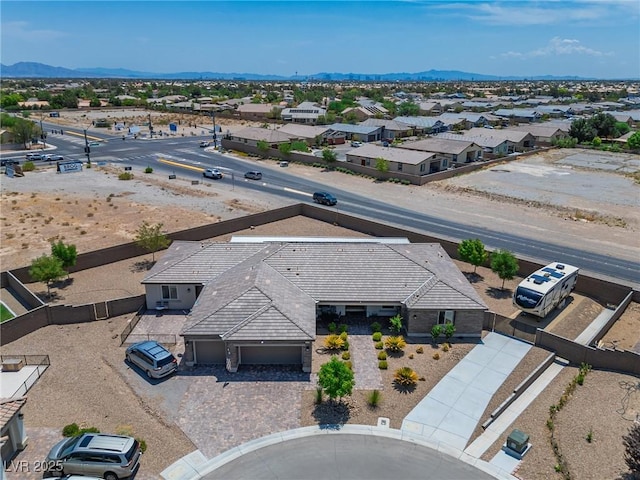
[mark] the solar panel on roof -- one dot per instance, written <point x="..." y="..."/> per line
<point x="553" y="273"/>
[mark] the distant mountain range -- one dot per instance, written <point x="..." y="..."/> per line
<point x="40" y="70"/>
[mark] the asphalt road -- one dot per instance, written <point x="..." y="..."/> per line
<point x="183" y="155"/>
<point x="346" y="456"/>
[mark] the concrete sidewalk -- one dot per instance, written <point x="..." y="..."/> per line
<point x="594" y="327"/>
<point x="452" y="409"/>
<point x="502" y="422"/>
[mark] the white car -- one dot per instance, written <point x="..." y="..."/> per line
<point x="204" y="144"/>
<point x="213" y="173"/>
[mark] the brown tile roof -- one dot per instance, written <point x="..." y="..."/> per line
<point x="8" y="408"/>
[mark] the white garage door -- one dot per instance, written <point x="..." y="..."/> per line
<point x="209" y="352"/>
<point x="271" y="355"/>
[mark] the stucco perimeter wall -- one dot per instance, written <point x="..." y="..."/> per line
<point x="602" y="358"/>
<point x="8" y="280"/>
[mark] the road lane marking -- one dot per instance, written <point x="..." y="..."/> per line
<point x="181" y="165"/>
<point x="69" y="132"/>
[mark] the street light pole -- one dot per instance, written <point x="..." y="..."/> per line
<point x="87" y="149"/>
<point x="42" y="134"/>
<point x="213" y="118"/>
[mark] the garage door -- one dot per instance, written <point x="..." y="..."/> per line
<point x="209" y="352"/>
<point x="270" y="355"/>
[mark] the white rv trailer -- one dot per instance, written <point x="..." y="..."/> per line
<point x="544" y="289"/>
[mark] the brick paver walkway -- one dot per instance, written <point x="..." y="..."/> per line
<point x="365" y="359"/>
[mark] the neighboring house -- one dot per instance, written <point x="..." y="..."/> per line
<point x="363" y="133"/>
<point x="256" y="110"/>
<point x="455" y="151"/>
<point x="422" y="125"/>
<point x="390" y="128"/>
<point x="488" y="144"/>
<point x="429" y="108"/>
<point x="543" y="132"/>
<point x="520" y="141"/>
<point x="469" y="119"/>
<point x="625" y="117"/>
<point x="623" y="139"/>
<point x="518" y="115"/>
<point x="306" y="112"/>
<point x="252" y="135"/>
<point x="554" y="111"/>
<point x="410" y="162"/>
<point x="257" y="303"/>
<point x="13" y="436"/>
<point x="310" y="133"/>
<point x="360" y="113"/>
<point x="34" y="103"/>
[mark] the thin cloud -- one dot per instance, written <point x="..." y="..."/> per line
<point x="24" y="31"/>
<point x="558" y="46"/>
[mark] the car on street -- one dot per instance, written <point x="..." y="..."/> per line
<point x="9" y="161"/>
<point x="111" y="457"/>
<point x="204" y="144"/>
<point x="253" y="175"/>
<point x="53" y="158"/>
<point x="34" y="156"/>
<point x="155" y="360"/>
<point x="324" y="198"/>
<point x="94" y="144"/>
<point x="213" y="173"/>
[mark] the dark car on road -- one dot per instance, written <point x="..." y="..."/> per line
<point x="9" y="161"/>
<point x="324" y="198"/>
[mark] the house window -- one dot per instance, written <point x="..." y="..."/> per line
<point x="445" y="163"/>
<point x="399" y="167"/>
<point x="169" y="292"/>
<point x="368" y="162"/>
<point x="455" y="158"/>
<point x="446" y="316"/>
<point x="422" y="167"/>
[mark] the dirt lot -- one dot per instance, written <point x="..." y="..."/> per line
<point x="96" y="210"/>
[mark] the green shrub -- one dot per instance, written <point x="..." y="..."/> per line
<point x="148" y="170"/>
<point x="349" y="365"/>
<point x="125" y="176"/>
<point x="376" y="327"/>
<point x="143" y="445"/>
<point x="28" y="167"/>
<point x="395" y="344"/>
<point x="377" y="336"/>
<point x="343" y="328"/>
<point x="382" y="365"/>
<point x="343" y="335"/>
<point x="374" y="398"/>
<point x="345" y="345"/>
<point x="332" y="327"/>
<point x="395" y="324"/>
<point x="71" y="430"/>
<point x="589" y="436"/>
<point x="346" y="355"/>
<point x="405" y="376"/>
<point x="379" y="345"/>
<point x="333" y="342"/>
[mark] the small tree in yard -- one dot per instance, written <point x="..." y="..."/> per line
<point x="472" y="251"/>
<point x="436" y="331"/>
<point x="46" y="269"/>
<point x="395" y="323"/>
<point x="631" y="443"/>
<point x="151" y="238"/>
<point x="449" y="330"/>
<point x="67" y="254"/>
<point x="382" y="165"/>
<point x="263" y="147"/>
<point x="504" y="264"/>
<point x="336" y="378"/>
<point x="329" y="156"/>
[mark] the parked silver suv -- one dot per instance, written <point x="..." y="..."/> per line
<point x="111" y="457"/>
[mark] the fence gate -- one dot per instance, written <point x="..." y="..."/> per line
<point x="101" y="311"/>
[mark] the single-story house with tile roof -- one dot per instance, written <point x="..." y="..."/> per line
<point x="543" y="132"/>
<point x="390" y="128"/>
<point x="306" y="112"/>
<point x="422" y="125"/>
<point x="363" y="133"/>
<point x="454" y="150"/>
<point x="256" y="110"/>
<point x="257" y="303"/>
<point x="469" y="119"/>
<point x="411" y="162"/>
<point x="309" y="133"/>
<point x="489" y="144"/>
<point x="13" y="437"/>
<point x="518" y="115"/>
<point x="253" y="135"/>
<point x="521" y="140"/>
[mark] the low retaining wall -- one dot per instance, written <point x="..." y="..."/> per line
<point x="520" y="389"/>
<point x="9" y="281"/>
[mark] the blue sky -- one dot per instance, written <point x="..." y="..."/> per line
<point x="592" y="38"/>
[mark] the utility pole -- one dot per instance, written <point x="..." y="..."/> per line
<point x="213" y="118"/>
<point x="150" y="127"/>
<point x="43" y="135"/>
<point x="87" y="148"/>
